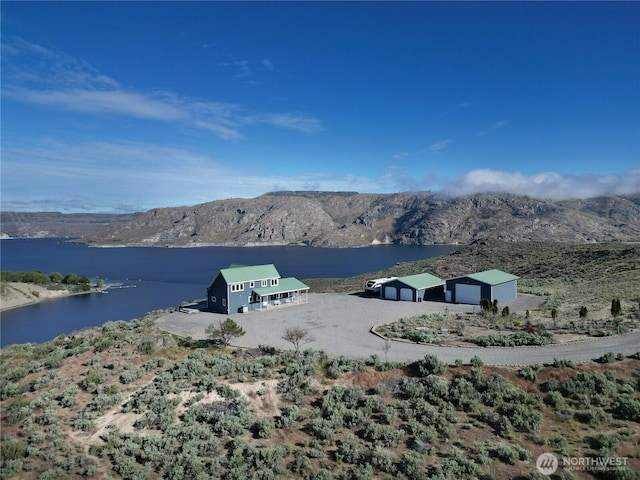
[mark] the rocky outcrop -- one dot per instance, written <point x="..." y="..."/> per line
<point x="347" y="219"/>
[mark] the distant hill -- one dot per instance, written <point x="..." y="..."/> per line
<point x="347" y="219"/>
<point x="56" y="224"/>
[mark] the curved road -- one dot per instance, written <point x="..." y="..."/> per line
<point x="341" y="324"/>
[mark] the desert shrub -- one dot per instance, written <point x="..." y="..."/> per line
<point x="288" y="417"/>
<point x="594" y="416"/>
<point x="322" y="429"/>
<point x="425" y="438"/>
<point x="554" y="399"/>
<point x="12" y="450"/>
<point x="422" y="336"/>
<point x="528" y="373"/>
<point x="517" y="339"/>
<point x="463" y="394"/>
<point x="131" y="374"/>
<point x="521" y="417"/>
<point x="588" y="384"/>
<point x="349" y="450"/>
<point x="627" y="408"/>
<point x="301" y="465"/>
<point x="430" y="365"/>
<point x="605" y="443"/>
<point x="381" y="459"/>
<point x="476" y="361"/>
<point x="91" y="379"/>
<point x="383" y="435"/>
<point x="608" y="357"/>
<point x="103" y="401"/>
<point x="263" y="428"/>
<point x="505" y="453"/>
<point x="412" y="464"/>
<point x="17" y="410"/>
<point x="562" y="363"/>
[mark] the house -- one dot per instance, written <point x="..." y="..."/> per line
<point x="414" y="288"/>
<point x="490" y="284"/>
<point x="243" y="288"/>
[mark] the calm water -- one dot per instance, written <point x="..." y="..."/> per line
<point x="163" y="277"/>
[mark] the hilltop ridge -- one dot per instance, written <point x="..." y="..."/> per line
<point x="350" y="219"/>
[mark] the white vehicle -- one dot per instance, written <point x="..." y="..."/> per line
<point x="374" y="286"/>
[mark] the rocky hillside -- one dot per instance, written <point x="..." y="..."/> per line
<point x="56" y="224"/>
<point x="346" y="219"/>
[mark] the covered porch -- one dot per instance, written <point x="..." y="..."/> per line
<point x="289" y="291"/>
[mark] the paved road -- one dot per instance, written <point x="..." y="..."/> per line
<point x="341" y="324"/>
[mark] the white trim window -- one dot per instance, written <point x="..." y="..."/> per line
<point x="213" y="299"/>
<point x="274" y="282"/>
<point x="265" y="283"/>
<point x="252" y="284"/>
<point x="237" y="287"/>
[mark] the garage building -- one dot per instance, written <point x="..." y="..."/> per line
<point x="490" y="284"/>
<point x="414" y="288"/>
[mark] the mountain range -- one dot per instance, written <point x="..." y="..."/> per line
<point x="346" y="219"/>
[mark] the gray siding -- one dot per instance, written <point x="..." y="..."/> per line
<point x="504" y="292"/>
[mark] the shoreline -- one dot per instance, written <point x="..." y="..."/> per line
<point x="18" y="294"/>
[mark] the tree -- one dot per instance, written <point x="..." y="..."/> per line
<point x="297" y="336"/>
<point x="70" y="279"/>
<point x="386" y="346"/>
<point x="554" y="316"/>
<point x="225" y="331"/>
<point x="616" y="308"/>
<point x="56" y="277"/>
<point x="100" y="284"/>
<point x="485" y="305"/>
<point x="506" y="312"/>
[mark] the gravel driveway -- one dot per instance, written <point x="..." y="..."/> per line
<point x="341" y="324"/>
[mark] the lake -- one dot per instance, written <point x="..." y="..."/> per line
<point x="158" y="278"/>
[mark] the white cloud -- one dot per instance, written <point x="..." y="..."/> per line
<point x="440" y="145"/>
<point x="544" y="185"/>
<point x="494" y="126"/>
<point x="101" y="102"/>
<point x="268" y="64"/>
<point x="89" y="177"/>
<point x="435" y="147"/>
<point x="55" y="80"/>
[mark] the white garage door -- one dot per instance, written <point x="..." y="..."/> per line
<point x="406" y="295"/>
<point x="390" y="293"/>
<point x="468" y="294"/>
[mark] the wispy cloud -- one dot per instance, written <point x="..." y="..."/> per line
<point x="544" y="185"/>
<point x="441" y="145"/>
<point x="493" y="127"/>
<point x="268" y="64"/>
<point x="435" y="147"/>
<point x="87" y="177"/>
<point x="55" y="80"/>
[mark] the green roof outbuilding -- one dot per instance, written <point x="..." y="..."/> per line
<point x="490" y="284"/>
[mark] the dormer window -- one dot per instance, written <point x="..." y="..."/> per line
<point x="274" y="282"/>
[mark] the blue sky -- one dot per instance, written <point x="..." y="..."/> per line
<point x="119" y="107"/>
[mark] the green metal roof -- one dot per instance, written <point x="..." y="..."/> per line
<point x="422" y="281"/>
<point x="493" y="277"/>
<point x="247" y="274"/>
<point x="289" y="284"/>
